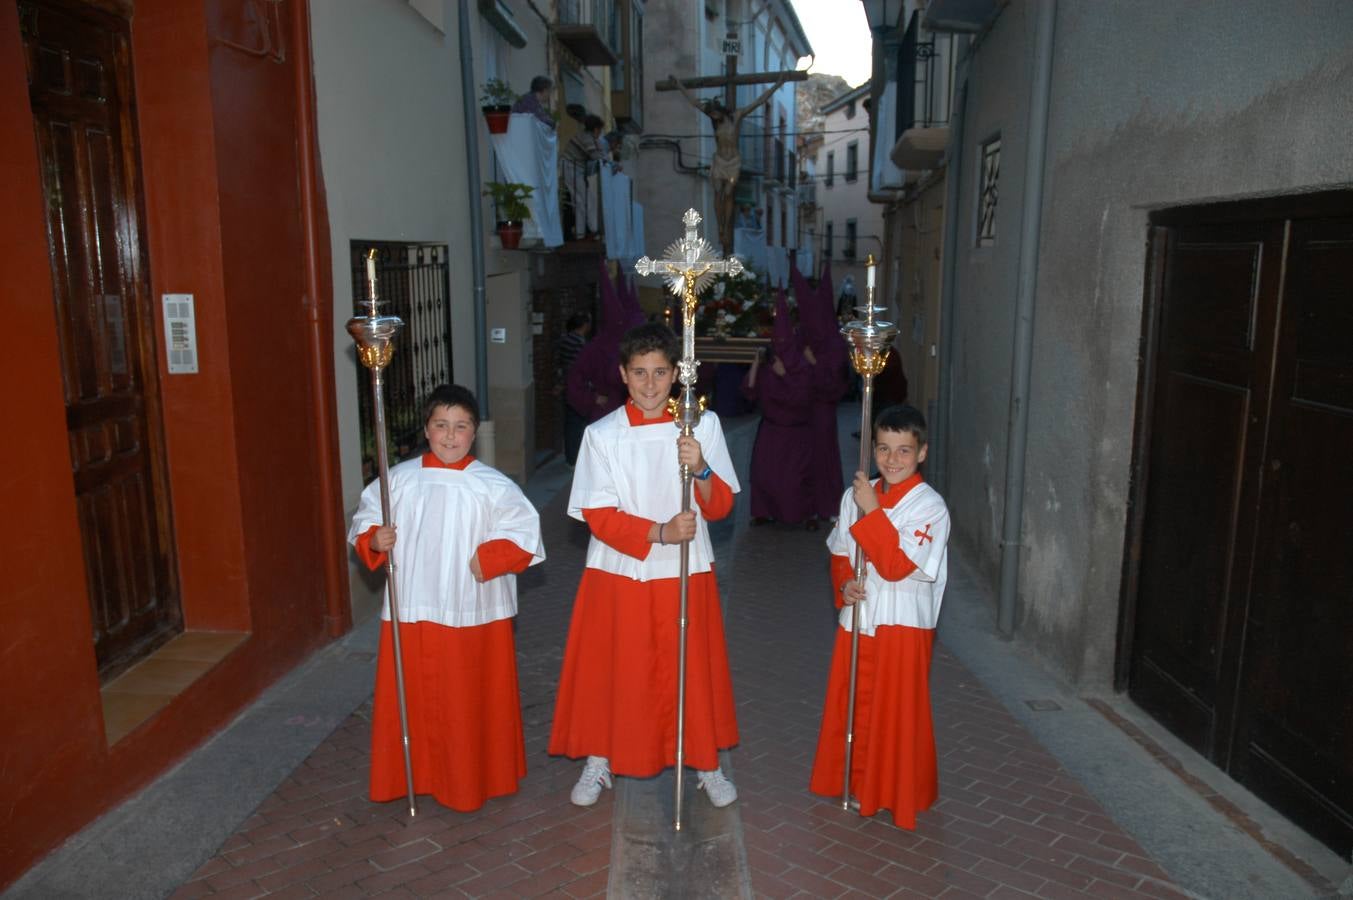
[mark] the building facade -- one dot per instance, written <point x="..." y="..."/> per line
<point x="692" y="38"/>
<point x="175" y="463"/>
<point x="1140" y="346"/>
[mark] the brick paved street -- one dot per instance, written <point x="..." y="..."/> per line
<point x="1011" y="822"/>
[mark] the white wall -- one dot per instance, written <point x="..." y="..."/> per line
<point x="392" y="157"/>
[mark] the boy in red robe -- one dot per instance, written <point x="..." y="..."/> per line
<point x="904" y="529"/>
<point x="460" y="532"/>
<point x="618" y="684"/>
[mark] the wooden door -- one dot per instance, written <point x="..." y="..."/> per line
<point x="1239" y="603"/>
<point x="1294" y="741"/>
<point x="80" y="88"/>
<point x="1217" y="307"/>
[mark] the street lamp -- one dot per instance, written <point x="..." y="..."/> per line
<point x="883" y="15"/>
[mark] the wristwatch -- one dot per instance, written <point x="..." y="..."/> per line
<point x="704" y="476"/>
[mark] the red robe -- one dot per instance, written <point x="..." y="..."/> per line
<point x="618" y="684"/>
<point x="893" y="763"/>
<point x="460" y="689"/>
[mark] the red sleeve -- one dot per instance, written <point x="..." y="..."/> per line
<point x="876" y="534"/>
<point x="501" y="557"/>
<point x="373" y="559"/>
<point x="842" y="571"/>
<point x="619" y="530"/>
<point x="720" y="502"/>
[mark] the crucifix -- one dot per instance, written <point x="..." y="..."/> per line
<point x="726" y="168"/>
<point x="689" y="265"/>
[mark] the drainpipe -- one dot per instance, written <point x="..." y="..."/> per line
<point x="938" y="469"/>
<point x="467" y="92"/>
<point x="1027" y="281"/>
<point x="319" y="339"/>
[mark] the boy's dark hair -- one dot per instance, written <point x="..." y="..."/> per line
<point x="450" y="395"/>
<point x="645" y="339"/>
<point x="541" y="83"/>
<point x="577" y="320"/>
<point x="592" y="122"/>
<point x="904" y="418"/>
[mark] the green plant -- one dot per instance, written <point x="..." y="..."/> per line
<point x="510" y="198"/>
<point x="496" y="92"/>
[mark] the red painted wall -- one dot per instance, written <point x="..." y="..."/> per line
<point x="246" y="437"/>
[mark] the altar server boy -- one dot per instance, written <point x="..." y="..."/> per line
<point x="461" y="532"/>
<point x="618" y="685"/>
<point x="903" y="527"/>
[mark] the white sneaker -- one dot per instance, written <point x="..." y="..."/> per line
<point x="717" y="787"/>
<point x="596" y="775"/>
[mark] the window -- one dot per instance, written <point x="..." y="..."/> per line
<point x="850" y="110"/>
<point x="852" y="160"/>
<point x="986" y="198"/>
<point x="831" y="169"/>
<point x="849" y="250"/>
<point x="827" y="244"/>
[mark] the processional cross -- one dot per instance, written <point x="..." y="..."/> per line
<point x="689" y="265"/>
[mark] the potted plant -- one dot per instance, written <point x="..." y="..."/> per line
<point x="510" y="197"/>
<point x="496" y="98"/>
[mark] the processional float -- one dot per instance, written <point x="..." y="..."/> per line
<point x="869" y="340"/>
<point x="689" y="265"/>
<point x="375" y="336"/>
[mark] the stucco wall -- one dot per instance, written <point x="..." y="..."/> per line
<point x="1151" y="106"/>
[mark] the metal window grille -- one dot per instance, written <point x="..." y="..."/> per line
<point x="414" y="284"/>
<point x="991" y="172"/>
<point x="852" y="160"/>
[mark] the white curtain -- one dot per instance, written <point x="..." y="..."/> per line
<point x="528" y="154"/>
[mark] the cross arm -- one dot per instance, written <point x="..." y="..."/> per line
<point x="708" y="81"/>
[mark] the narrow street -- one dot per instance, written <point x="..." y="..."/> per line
<point x="1042" y="794"/>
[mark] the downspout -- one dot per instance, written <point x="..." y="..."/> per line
<point x="467" y="96"/>
<point x="939" y="462"/>
<point x="319" y="313"/>
<point x="1027" y="283"/>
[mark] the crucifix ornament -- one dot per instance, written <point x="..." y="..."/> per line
<point x="689" y="265"/>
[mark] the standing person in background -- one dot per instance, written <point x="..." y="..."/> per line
<point x="825" y="351"/>
<point x="460" y="531"/>
<point x="566" y="352"/>
<point x="536" y="100"/>
<point x="782" y="453"/>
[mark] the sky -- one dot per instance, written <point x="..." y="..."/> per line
<point x="840" y="37"/>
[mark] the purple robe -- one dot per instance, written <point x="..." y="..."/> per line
<point x="783" y="452"/>
<point x="830" y="381"/>
<point x="782" y="455"/>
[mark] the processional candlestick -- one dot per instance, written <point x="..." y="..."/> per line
<point x="869" y="341"/>
<point x="375" y="335"/>
<point x="689" y="266"/>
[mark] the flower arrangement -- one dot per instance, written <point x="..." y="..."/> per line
<point x="735" y="306"/>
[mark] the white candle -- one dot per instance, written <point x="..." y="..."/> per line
<point x="371" y="274"/>
<point x="869" y="278"/>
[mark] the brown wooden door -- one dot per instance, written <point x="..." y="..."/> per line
<point x="1241" y="576"/>
<point x="79" y="72"/>
<point x="1294" y="740"/>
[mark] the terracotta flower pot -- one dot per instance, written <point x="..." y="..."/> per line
<point x="510" y="234"/>
<point x="497" y="118"/>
